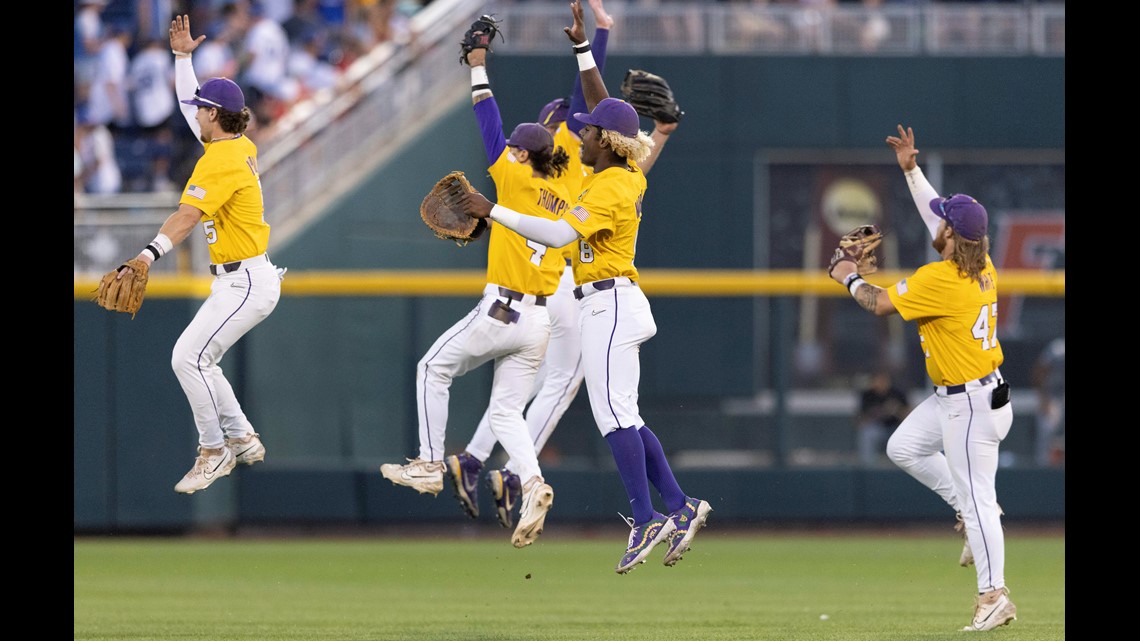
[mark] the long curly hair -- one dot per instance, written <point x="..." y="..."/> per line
<point x="234" y="122"/>
<point x="636" y="149"/>
<point x="970" y="256"/>
<point x="551" y="162"/>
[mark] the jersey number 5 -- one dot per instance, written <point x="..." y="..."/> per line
<point x="985" y="327"/>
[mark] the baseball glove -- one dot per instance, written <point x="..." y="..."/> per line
<point x="441" y="213"/>
<point x="479" y="36"/>
<point x="650" y="95"/>
<point x="858" y="246"/>
<point x="124" y="294"/>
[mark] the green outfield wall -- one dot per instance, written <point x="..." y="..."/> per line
<point x="328" y="378"/>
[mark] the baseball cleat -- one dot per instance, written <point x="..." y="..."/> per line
<point x="538" y="498"/>
<point x="248" y="450"/>
<point x="689" y="520"/>
<point x="991" y="610"/>
<point x="505" y="490"/>
<point x="210" y="466"/>
<point x="463" y="471"/>
<point x="425" y="477"/>
<point x="643" y="538"/>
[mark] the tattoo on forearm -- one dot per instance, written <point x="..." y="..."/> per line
<point x="867" y="296"/>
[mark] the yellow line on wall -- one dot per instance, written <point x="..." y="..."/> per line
<point x="656" y="282"/>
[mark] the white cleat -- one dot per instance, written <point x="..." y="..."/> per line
<point x="993" y="609"/>
<point x="210" y="466"/>
<point x="425" y="477"/>
<point x="538" y="497"/>
<point x="248" y="450"/>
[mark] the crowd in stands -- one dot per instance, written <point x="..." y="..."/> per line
<point x="129" y="133"/>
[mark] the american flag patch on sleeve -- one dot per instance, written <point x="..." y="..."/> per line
<point x="580" y="213"/>
<point x="900" y="288"/>
<point x="196" y="191"/>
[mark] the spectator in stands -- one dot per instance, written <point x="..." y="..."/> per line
<point x="107" y="98"/>
<point x="306" y="65"/>
<point x="98" y="168"/>
<point x="882" y="406"/>
<point x="306" y="18"/>
<point x="263" y="57"/>
<point x="151" y="83"/>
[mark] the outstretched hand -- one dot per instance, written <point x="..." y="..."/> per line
<point x="180" y="38"/>
<point x="576" y="33"/>
<point x="903" y="145"/>
<point x="474" y="204"/>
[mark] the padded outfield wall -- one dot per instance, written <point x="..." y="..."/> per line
<point x="328" y="378"/>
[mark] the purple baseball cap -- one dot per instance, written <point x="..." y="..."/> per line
<point x="531" y="136"/>
<point x="613" y="114"/>
<point x="221" y="93"/>
<point x="554" y="112"/>
<point x="963" y="214"/>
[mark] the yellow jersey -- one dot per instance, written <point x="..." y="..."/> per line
<point x="607" y="215"/>
<point x="957" y="320"/>
<point x="225" y="185"/>
<point x="513" y="261"/>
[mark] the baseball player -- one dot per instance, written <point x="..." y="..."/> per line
<point x="510" y="324"/>
<point x="224" y="194"/>
<point x="949" y="442"/>
<point x="561" y="373"/>
<point x="615" y="316"/>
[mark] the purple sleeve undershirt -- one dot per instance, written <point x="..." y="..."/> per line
<point x="491" y="126"/>
<point x="578" y="99"/>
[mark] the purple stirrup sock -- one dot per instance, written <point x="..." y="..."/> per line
<point x="659" y="473"/>
<point x="629" y="454"/>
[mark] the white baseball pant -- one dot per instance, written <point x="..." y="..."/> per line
<point x="949" y="442"/>
<point x="517" y="348"/>
<point x="238" y="301"/>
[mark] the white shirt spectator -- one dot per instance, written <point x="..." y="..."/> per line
<point x="107" y="101"/>
<point x="268" y="49"/>
<point x="152" y="85"/>
<point x="97" y="152"/>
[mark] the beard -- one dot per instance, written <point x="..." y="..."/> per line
<point x="939" y="244"/>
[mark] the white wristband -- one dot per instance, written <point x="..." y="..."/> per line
<point x="854" y="284"/>
<point x="179" y="54"/>
<point x="159" y="246"/>
<point x="480" y="83"/>
<point x="508" y="217"/>
<point x="585" y="61"/>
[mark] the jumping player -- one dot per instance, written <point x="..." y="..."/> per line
<point x="510" y="324"/>
<point x="950" y="441"/>
<point x="615" y="315"/>
<point x="224" y="194"/>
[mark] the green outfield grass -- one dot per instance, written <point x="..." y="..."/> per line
<point x="894" y="585"/>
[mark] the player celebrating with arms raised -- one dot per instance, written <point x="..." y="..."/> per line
<point x="615" y="314"/>
<point x="525" y="169"/>
<point x="224" y="195"/>
<point x="954" y="303"/>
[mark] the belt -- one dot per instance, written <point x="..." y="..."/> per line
<point x="586" y="289"/>
<point x="510" y="294"/>
<point x="972" y="385"/>
<point x="226" y="268"/>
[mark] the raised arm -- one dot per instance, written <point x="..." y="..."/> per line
<point x="486" y="108"/>
<point x="182" y="44"/>
<point x="604" y="23"/>
<point x="593" y="88"/>
<point x="920" y="189"/>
